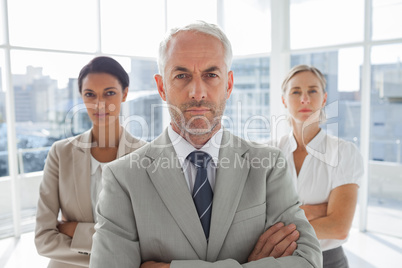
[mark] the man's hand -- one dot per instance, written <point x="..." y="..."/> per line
<point x="152" y="264"/>
<point x="278" y="241"/>
<point x="67" y="227"/>
<point x="315" y="211"/>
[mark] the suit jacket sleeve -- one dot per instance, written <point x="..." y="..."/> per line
<point x="82" y="240"/>
<point x="115" y="242"/>
<point x="48" y="240"/>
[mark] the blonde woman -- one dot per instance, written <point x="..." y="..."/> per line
<point x="326" y="170"/>
<point x="73" y="171"/>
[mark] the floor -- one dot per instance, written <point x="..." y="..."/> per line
<point x="19" y="253"/>
<point x="369" y="250"/>
<point x="364" y="250"/>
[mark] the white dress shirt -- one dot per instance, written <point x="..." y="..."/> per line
<point x="183" y="148"/>
<point x="96" y="183"/>
<point x="331" y="162"/>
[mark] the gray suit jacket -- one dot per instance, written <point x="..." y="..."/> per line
<point x="146" y="212"/>
<point x="66" y="187"/>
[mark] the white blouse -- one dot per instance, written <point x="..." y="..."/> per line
<point x="96" y="183"/>
<point x="331" y="162"/>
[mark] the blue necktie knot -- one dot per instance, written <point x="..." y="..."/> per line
<point x="199" y="158"/>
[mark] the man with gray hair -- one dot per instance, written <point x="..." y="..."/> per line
<point x="198" y="196"/>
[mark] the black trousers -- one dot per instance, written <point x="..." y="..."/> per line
<point x="335" y="258"/>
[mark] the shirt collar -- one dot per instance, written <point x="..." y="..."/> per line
<point x="183" y="148"/>
<point x="313" y="144"/>
<point x="95" y="164"/>
<point x="316" y="141"/>
<point x="292" y="141"/>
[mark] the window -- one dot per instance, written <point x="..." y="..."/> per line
<point x="68" y="25"/>
<point x="385" y="140"/>
<point x="387" y="19"/>
<point x="45" y="91"/>
<point x="247" y="110"/>
<point x="251" y="35"/>
<point x="315" y="23"/>
<point x="6" y="226"/>
<point x="2" y="15"/>
<point x="181" y="12"/>
<point x="3" y="124"/>
<point x="143" y="112"/>
<point x="132" y="27"/>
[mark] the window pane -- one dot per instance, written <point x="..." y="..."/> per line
<point x="248" y="26"/>
<point x="385" y="191"/>
<point x="325" y="22"/>
<point x="132" y="27"/>
<point x="144" y="116"/>
<point x="2" y="14"/>
<point x="143" y="112"/>
<point x="69" y="25"/>
<point x="3" y="124"/>
<point x="247" y="110"/>
<point x="387" y="19"/>
<point x="44" y="92"/>
<point x="181" y="12"/>
<point x="342" y="70"/>
<point x="6" y="224"/>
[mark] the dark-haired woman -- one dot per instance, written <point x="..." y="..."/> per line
<point x="72" y="175"/>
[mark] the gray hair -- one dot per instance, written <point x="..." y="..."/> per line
<point x="304" y="68"/>
<point x="201" y="27"/>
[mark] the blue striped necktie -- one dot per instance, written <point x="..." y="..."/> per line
<point x="202" y="192"/>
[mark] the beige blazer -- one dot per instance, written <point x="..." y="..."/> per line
<point x="65" y="189"/>
<point x="146" y="212"/>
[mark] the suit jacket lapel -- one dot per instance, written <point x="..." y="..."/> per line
<point x="82" y="175"/>
<point x="230" y="180"/>
<point x="169" y="181"/>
